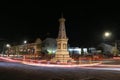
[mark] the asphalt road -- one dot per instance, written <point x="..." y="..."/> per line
<point x="18" y="71"/>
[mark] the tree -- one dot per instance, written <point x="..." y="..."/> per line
<point x="49" y="46"/>
<point x="115" y="51"/>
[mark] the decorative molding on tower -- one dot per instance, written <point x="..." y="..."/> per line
<point x="62" y="53"/>
<point x="62" y="30"/>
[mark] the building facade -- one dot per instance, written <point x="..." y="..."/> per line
<point x="28" y="48"/>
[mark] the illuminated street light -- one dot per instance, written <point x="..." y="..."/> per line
<point x="107" y="34"/>
<point x="25" y="46"/>
<point x="8" y="45"/>
<point x="25" y="42"/>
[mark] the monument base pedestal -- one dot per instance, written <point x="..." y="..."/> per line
<point x="62" y="58"/>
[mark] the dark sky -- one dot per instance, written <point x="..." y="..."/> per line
<point x="84" y="25"/>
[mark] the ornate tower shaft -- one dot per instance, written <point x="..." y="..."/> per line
<point x="62" y="53"/>
<point x="62" y="31"/>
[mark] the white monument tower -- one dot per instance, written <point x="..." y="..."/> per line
<point x="62" y="53"/>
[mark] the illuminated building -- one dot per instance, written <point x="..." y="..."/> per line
<point x="28" y="48"/>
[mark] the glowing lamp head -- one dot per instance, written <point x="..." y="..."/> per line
<point x="25" y="42"/>
<point x="8" y="45"/>
<point x="107" y="34"/>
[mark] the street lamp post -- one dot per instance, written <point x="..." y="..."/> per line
<point x="108" y="35"/>
<point x="25" y="42"/>
<point x="25" y="46"/>
<point x="8" y="46"/>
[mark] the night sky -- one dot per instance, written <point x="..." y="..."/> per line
<point x="84" y="25"/>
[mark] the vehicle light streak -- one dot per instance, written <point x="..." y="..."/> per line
<point x="95" y="66"/>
